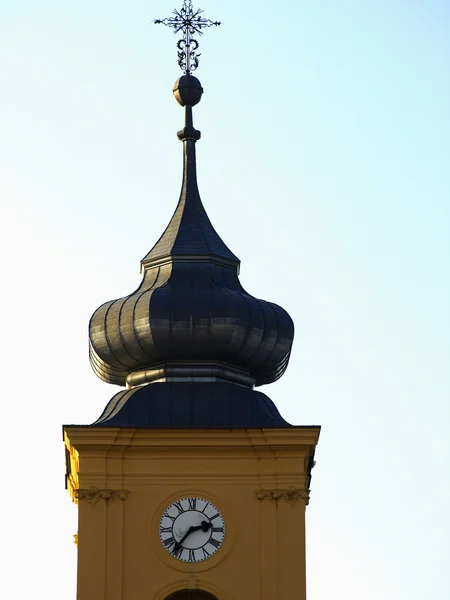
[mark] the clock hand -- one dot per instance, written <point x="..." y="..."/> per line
<point x="188" y="532"/>
<point x="204" y="526"/>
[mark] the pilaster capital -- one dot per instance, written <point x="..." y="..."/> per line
<point x="290" y="495"/>
<point x="93" y="495"/>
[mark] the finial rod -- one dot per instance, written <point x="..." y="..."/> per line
<point x="189" y="22"/>
<point x="188" y="92"/>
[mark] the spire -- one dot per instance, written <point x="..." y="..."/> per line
<point x="190" y="234"/>
<point x="190" y="329"/>
<point x="190" y="319"/>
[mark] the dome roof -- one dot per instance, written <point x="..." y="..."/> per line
<point x="190" y="319"/>
<point x="191" y="405"/>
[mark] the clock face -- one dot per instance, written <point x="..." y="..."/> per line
<point x="192" y="529"/>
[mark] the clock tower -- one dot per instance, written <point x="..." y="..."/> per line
<point x="190" y="484"/>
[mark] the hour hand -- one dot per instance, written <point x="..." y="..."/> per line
<point x="204" y="526"/>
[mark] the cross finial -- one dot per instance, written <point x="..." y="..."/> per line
<point x="189" y="22"/>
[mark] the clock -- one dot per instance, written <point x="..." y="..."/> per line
<point x="192" y="529"/>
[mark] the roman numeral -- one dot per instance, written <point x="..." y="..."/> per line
<point x="191" y="556"/>
<point x="214" y="517"/>
<point x="168" y="542"/>
<point x="192" y="503"/>
<point x="166" y="514"/>
<point x="177" y="551"/>
<point x="205" y="507"/>
<point x="206" y="554"/>
<point x="179" y="506"/>
<point x="165" y="529"/>
<point x="214" y="542"/>
<point x="217" y="530"/>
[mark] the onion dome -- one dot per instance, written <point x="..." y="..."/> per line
<point x="190" y="320"/>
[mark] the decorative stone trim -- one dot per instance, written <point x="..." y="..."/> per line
<point x="291" y="495"/>
<point x="93" y="495"/>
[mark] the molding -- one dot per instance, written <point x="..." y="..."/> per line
<point x="290" y="495"/>
<point x="302" y="438"/>
<point x="192" y="583"/>
<point x="93" y="495"/>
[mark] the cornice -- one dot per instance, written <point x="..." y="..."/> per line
<point x="290" y="495"/>
<point x="103" y="438"/>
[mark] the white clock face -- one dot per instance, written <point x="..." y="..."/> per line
<point x="192" y="529"/>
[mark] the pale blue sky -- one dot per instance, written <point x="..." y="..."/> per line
<point x="324" y="165"/>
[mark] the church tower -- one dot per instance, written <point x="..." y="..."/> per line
<point x="190" y="484"/>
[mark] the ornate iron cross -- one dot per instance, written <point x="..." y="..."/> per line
<point x="189" y="22"/>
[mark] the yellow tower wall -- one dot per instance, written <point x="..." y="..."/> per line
<point x="124" y="479"/>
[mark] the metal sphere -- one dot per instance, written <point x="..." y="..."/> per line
<point x="187" y="90"/>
